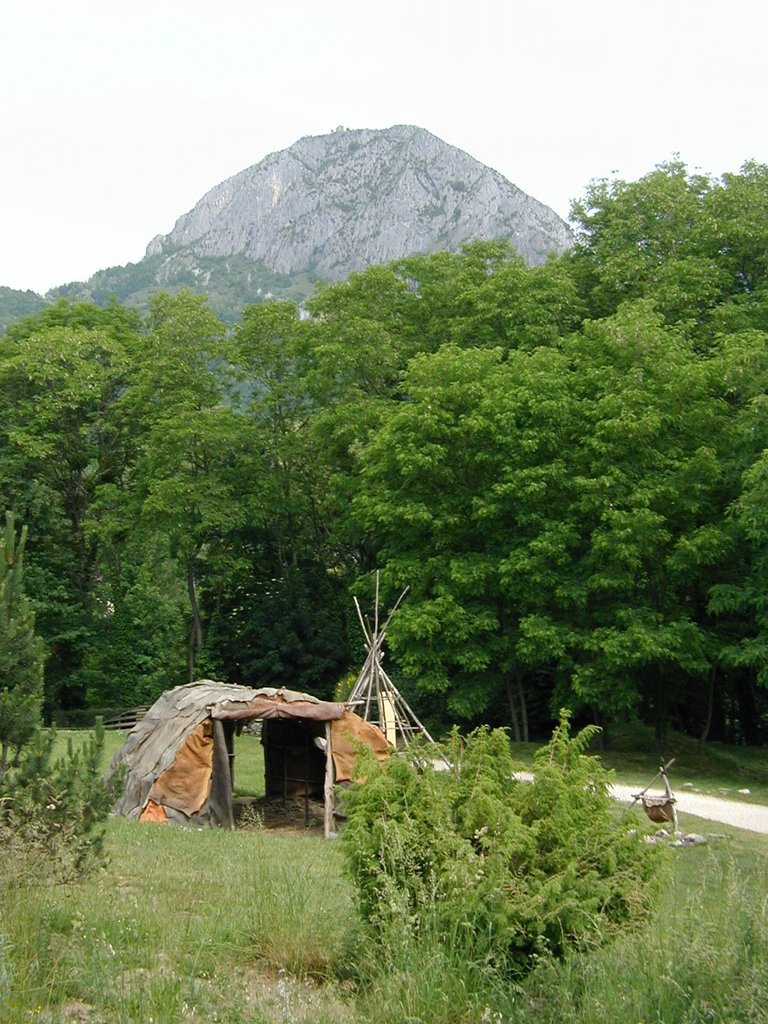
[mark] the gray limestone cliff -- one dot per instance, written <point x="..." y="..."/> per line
<point x="335" y="203"/>
<point x="324" y="207"/>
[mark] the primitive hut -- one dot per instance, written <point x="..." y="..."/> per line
<point x="179" y="759"/>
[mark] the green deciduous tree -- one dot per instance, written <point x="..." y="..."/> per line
<point x="693" y="244"/>
<point x="651" y="476"/>
<point x="694" y="247"/>
<point x="369" y="331"/>
<point x="737" y="597"/>
<point x="560" y="514"/>
<point x="461" y="485"/>
<point x="61" y="374"/>
<point x="650" y="238"/>
<point x="177" y="501"/>
<point x="267" y="622"/>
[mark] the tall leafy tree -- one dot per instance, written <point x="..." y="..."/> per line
<point x="649" y="238"/>
<point x="61" y="374"/>
<point x="652" y="485"/>
<point x="693" y="244"/>
<point x="560" y="514"/>
<point x="177" y="501"/>
<point x="460" y="485"/>
<point x="694" y="247"/>
<point x="281" y="616"/>
<point x="736" y="595"/>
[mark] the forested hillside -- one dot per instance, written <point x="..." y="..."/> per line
<point x="566" y="464"/>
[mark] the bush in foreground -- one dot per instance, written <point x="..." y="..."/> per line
<point x="495" y="872"/>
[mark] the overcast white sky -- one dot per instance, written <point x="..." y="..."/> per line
<point x="116" y="116"/>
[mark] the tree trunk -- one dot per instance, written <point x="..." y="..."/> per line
<point x="601" y="720"/>
<point x="523" y="707"/>
<point x="748" y="716"/>
<point x="660" y="716"/>
<point x="196" y="634"/>
<point x="4" y="759"/>
<point x="513" y="713"/>
<point x="710" y="709"/>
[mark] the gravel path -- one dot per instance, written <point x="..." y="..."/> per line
<point x="752" y="817"/>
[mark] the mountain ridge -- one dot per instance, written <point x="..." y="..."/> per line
<point x="338" y="202"/>
<point x="318" y="210"/>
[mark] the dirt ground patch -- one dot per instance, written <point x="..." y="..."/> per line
<point x="290" y="815"/>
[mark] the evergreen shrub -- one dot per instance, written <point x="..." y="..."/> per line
<point x="499" y="870"/>
<point x="51" y="810"/>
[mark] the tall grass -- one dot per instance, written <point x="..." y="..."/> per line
<point x="181" y="925"/>
<point x="186" y="925"/>
<point x="429" y="978"/>
<point x="255" y="927"/>
<point x="300" y="912"/>
<point x="703" y="959"/>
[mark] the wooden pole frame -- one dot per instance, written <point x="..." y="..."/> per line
<point x="373" y="683"/>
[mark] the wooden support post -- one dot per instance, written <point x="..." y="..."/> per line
<point x="221" y="781"/>
<point x="328" y="794"/>
<point x="229" y="733"/>
<point x="670" y="797"/>
<point x="307" y="742"/>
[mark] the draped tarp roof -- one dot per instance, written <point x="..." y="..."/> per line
<point x="169" y="757"/>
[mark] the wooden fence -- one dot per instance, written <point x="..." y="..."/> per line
<point x="126" y="719"/>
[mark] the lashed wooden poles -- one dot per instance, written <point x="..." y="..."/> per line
<point x="373" y="682"/>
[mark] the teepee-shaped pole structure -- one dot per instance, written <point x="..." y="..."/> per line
<point x="374" y="696"/>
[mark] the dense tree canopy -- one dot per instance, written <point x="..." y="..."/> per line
<point x="566" y="465"/>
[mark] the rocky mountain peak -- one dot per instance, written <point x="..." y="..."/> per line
<point x="334" y="203"/>
<point x="318" y="210"/>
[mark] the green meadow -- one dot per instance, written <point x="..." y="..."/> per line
<point x="261" y="926"/>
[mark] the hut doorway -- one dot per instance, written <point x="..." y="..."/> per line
<point x="278" y="769"/>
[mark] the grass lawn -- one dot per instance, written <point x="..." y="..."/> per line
<point x="255" y="927"/>
<point x="741" y="776"/>
<point x="181" y="925"/>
